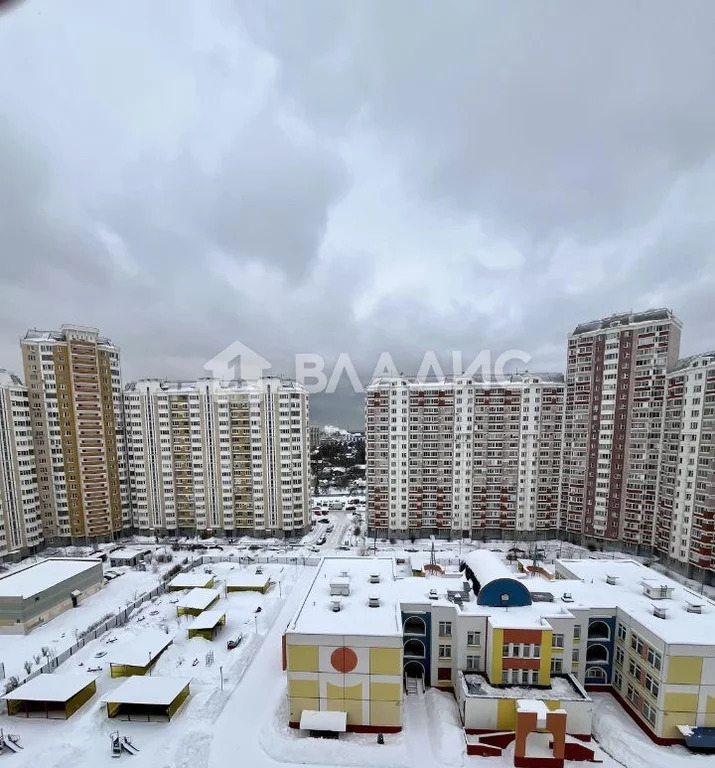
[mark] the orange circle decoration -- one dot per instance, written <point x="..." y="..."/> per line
<point x="344" y="659"/>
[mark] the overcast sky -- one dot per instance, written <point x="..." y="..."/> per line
<point x="360" y="177"/>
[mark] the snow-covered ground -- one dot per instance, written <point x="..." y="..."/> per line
<point x="245" y="721"/>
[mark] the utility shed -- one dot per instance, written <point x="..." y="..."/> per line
<point x="138" y="656"/>
<point x="38" y="593"/>
<point x="190" y="581"/>
<point x="196" y="601"/>
<point x="127" y="556"/>
<point x="147" y="698"/>
<point x="207" y="624"/>
<point x="248" y="582"/>
<point x="52" y="696"/>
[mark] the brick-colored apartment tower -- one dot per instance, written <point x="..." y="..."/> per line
<point x="74" y="391"/>
<point x="613" y="425"/>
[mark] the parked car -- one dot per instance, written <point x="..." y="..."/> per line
<point x="330" y="528"/>
<point x="321" y="541"/>
<point x="234" y="642"/>
<point x="324" y="520"/>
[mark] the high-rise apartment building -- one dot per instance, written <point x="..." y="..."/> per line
<point x="20" y="524"/>
<point x="74" y="390"/>
<point x="227" y="458"/>
<point x="685" y="527"/>
<point x="464" y="457"/>
<point x="616" y="383"/>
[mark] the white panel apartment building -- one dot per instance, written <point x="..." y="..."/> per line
<point x="227" y="458"/>
<point x="73" y="383"/>
<point x="464" y="457"/>
<point x="20" y="523"/>
<point x="685" y="526"/>
<point x="613" y="425"/>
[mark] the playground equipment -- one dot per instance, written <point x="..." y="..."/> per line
<point x="9" y="741"/>
<point x="122" y="743"/>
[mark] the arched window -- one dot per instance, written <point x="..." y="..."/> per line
<point x="596" y="675"/>
<point x="597" y="654"/>
<point x="414" y="649"/>
<point x="599" y="630"/>
<point x="414" y="625"/>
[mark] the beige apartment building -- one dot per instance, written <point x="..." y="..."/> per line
<point x="685" y="526"/>
<point x="464" y="456"/>
<point x="74" y="391"/>
<point x="219" y="457"/>
<point x="20" y="524"/>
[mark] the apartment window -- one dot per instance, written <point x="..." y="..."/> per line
<point x="654" y="658"/>
<point x="505" y="650"/>
<point x="617" y="679"/>
<point x="652" y="686"/>
<point x="575" y="655"/>
<point x="649" y="712"/>
<point x="576" y="631"/>
<point x="556" y="665"/>
<point x="557" y="641"/>
<point x="474" y="638"/>
<point x="621" y="630"/>
<point x="631" y="694"/>
<point x="473" y="663"/>
<point x="445" y="651"/>
<point x="505" y="676"/>
<point x="445" y="629"/>
<point x="637" y="644"/>
<point x="620" y="656"/>
<point x="537" y="651"/>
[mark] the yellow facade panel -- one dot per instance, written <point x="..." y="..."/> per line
<point x="304" y="689"/>
<point x="671" y="721"/>
<point x="298" y="704"/>
<point x="685" y="670"/>
<point x="710" y="705"/>
<point x="506" y="715"/>
<point x="385" y="661"/>
<point x="303" y="658"/>
<point x="353" y="708"/>
<point x="386" y="713"/>
<point x="497" y="640"/>
<point x="681" y="702"/>
<point x="385" y="692"/>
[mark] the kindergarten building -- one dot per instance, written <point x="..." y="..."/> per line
<point x="520" y="652"/>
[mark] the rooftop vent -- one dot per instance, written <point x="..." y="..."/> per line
<point x="612" y="580"/>
<point x="344" y="574"/>
<point x="694" y="607"/>
<point x="335" y="606"/>
<point x="542" y="597"/>
<point x="373" y="601"/>
<point x="433" y="594"/>
<point x="659" y="612"/>
<point x="374" y="578"/>
<point x="567" y="597"/>
<point x="657" y="591"/>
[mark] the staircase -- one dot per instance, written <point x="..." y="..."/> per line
<point x="414" y="686"/>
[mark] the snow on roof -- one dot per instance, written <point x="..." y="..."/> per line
<point x="43" y="575"/>
<point x="126" y="553"/>
<point x="190" y="580"/>
<point x="355" y="617"/>
<point x="141" y="649"/>
<point x="207" y="620"/>
<point x="588" y="588"/>
<point x="159" y="691"/>
<point x="49" y="687"/>
<point x="487" y="566"/>
<point x="247" y="580"/>
<point x="562" y="688"/>
<point x="199" y="598"/>
<point x="312" y="720"/>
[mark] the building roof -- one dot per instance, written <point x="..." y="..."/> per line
<point x="157" y="691"/>
<point x="589" y="588"/>
<point x="625" y="318"/>
<point x="8" y="379"/>
<point x="191" y="580"/>
<point x="207" y="620"/>
<point x="700" y="360"/>
<point x="127" y="554"/>
<point x="248" y="580"/>
<point x="213" y="386"/>
<point x="506" y="380"/>
<point x="43" y="575"/>
<point x="50" y="687"/>
<point x="140" y="650"/>
<point x="199" y="598"/>
<point x="36" y="335"/>
<point x="355" y="617"/>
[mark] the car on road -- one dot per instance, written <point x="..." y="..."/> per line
<point x="324" y="520"/>
<point x="330" y="528"/>
<point x="350" y="508"/>
<point x="321" y="541"/>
